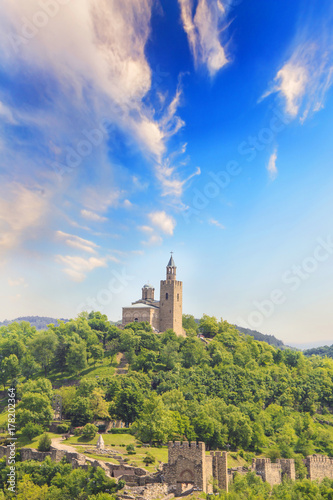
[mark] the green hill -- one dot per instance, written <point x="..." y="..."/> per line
<point x="320" y="351"/>
<point x="39" y="322"/>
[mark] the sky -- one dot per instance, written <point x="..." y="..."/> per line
<point x="203" y="127"/>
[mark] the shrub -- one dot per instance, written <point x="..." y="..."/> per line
<point x="62" y="428"/>
<point x="78" y="431"/>
<point x="89" y="431"/>
<point x="131" y="449"/>
<point x="44" y="443"/>
<point x="149" y="458"/>
<point x="119" y="431"/>
<point x="31" y="430"/>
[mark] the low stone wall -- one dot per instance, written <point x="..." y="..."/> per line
<point x="148" y="492"/>
<point x="135" y="475"/>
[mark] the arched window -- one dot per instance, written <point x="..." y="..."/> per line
<point x="166" y="296"/>
<point x="177" y="297"/>
<point x="136" y="320"/>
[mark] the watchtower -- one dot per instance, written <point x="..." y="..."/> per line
<point x="171" y="301"/>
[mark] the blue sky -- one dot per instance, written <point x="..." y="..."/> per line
<point x="132" y="129"/>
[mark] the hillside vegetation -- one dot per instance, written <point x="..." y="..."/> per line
<point x="225" y="389"/>
<point x="320" y="351"/>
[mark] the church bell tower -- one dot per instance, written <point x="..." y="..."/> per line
<point x="171" y="301"/>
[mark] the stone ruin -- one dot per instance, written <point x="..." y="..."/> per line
<point x="188" y="468"/>
<point x="100" y="443"/>
<point x="319" y="467"/>
<point x="274" y="473"/>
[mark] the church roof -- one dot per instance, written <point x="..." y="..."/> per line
<point x="147" y="285"/>
<point x="136" y="305"/>
<point x="171" y="262"/>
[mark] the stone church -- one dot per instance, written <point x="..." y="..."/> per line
<point x="165" y="313"/>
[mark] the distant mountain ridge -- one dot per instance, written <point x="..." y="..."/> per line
<point x="320" y="351"/>
<point x="39" y="322"/>
<point x="270" y="339"/>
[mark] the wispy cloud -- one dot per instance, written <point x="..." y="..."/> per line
<point x="214" y="222"/>
<point x="271" y="167"/>
<point x="154" y="240"/>
<point x="306" y="76"/>
<point x="146" y="229"/>
<point x="203" y="32"/>
<point x="88" y="214"/>
<point x="102" y="77"/>
<point x="77" y="242"/>
<point x="6" y="114"/>
<point x="78" y="267"/>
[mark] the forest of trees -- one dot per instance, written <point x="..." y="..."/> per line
<point x="225" y="389"/>
<point x="320" y="351"/>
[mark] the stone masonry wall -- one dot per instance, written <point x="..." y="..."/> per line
<point x="186" y="464"/>
<point x="269" y="472"/>
<point x="287" y="467"/>
<point x="319" y="467"/>
<point x="209" y="473"/>
<point x="220" y="469"/>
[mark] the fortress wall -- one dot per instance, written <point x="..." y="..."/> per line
<point x="288" y="467"/>
<point x="192" y="451"/>
<point x="319" y="467"/>
<point x="187" y="464"/>
<point x="271" y="473"/>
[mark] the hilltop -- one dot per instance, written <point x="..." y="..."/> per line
<point x="39" y="322"/>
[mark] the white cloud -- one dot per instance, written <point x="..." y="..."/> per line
<point x="127" y="204"/>
<point x="77" y="242"/>
<point x="271" y="167"/>
<point x="22" y="212"/>
<point x="162" y="221"/>
<point x="171" y="183"/>
<point x="77" y="267"/>
<point x="293" y="79"/>
<point x="203" y="32"/>
<point x="306" y="76"/>
<point x="88" y="214"/>
<point x="216" y="223"/>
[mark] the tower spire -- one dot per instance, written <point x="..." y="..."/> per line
<point x="171" y="262"/>
<point x="171" y="269"/>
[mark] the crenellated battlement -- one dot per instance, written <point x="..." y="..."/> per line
<point x="319" y="466"/>
<point x="172" y="282"/>
<point x="185" y="445"/>
<point x="319" y="459"/>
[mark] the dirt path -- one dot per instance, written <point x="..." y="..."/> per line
<point x="122" y="367"/>
<point x="59" y="444"/>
